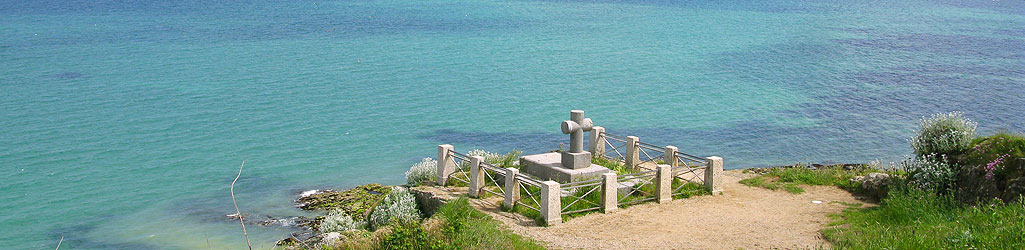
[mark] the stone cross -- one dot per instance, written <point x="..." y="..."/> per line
<point x="576" y="158"/>
<point x="576" y="127"/>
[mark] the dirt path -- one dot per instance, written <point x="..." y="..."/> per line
<point x="742" y="218"/>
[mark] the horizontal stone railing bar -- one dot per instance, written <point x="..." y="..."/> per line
<point x="638" y="173"/>
<point x="649" y="146"/>
<point x="527" y="178"/>
<point x="581" y="184"/>
<point x="691" y="157"/>
<point x="460" y="156"/>
<point x="612" y="136"/>
<point x="576" y="183"/>
<point x="491" y="167"/>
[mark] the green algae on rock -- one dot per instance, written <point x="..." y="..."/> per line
<point x="358" y="201"/>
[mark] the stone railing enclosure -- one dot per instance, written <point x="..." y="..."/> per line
<point x="654" y="179"/>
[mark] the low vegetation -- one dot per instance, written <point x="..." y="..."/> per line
<point x="399" y="206"/>
<point x="910" y="218"/>
<point x="338" y="221"/>
<point x="456" y="225"/>
<point x="958" y="192"/>
<point x="424" y="171"/>
<point x="791" y="177"/>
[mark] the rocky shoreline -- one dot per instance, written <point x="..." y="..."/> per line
<point x="358" y="201"/>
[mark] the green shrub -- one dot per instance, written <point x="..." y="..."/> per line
<point x="943" y="134"/>
<point x="338" y="221"/>
<point x="994" y="168"/>
<point x="398" y="206"/>
<point x="423" y="171"/>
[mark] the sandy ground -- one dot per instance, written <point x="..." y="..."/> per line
<point x="742" y="218"/>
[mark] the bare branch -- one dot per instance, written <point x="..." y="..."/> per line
<point x="237" y="212"/>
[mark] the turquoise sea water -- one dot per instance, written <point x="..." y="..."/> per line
<point x="122" y="123"/>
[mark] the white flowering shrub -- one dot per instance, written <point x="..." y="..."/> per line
<point x="338" y="221"/>
<point x="399" y="206"/>
<point x="488" y="156"/>
<point x="931" y="172"/>
<point x="423" y="171"/>
<point x="944" y="134"/>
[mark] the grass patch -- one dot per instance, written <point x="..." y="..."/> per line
<point x="913" y="219"/>
<point x="525" y="211"/>
<point x="456" y="225"/>
<point x="593" y="197"/>
<point x="683" y="189"/>
<point x="453" y="182"/>
<point x="467" y="228"/>
<point x="789" y="179"/>
<point x="641" y="191"/>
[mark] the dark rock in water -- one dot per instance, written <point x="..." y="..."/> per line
<point x="295" y="221"/>
<point x="67" y="75"/>
<point x="358" y="201"/>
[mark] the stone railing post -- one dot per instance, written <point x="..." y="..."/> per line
<point x="632" y="155"/>
<point x="512" y="188"/>
<point x="551" y="203"/>
<point x="445" y="164"/>
<point x="597" y="141"/>
<point x="609" y="193"/>
<point x="476" y="176"/>
<point x="670" y="156"/>
<point x="713" y="173"/>
<point x="664" y="184"/>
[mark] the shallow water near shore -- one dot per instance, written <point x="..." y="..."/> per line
<point x="124" y="122"/>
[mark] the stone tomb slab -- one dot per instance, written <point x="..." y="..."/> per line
<point x="548" y="166"/>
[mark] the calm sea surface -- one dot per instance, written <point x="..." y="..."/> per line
<point x="122" y="123"/>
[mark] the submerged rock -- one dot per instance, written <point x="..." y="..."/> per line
<point x="294" y="221"/>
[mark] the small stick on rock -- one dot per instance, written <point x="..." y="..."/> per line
<point x="239" y="213"/>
